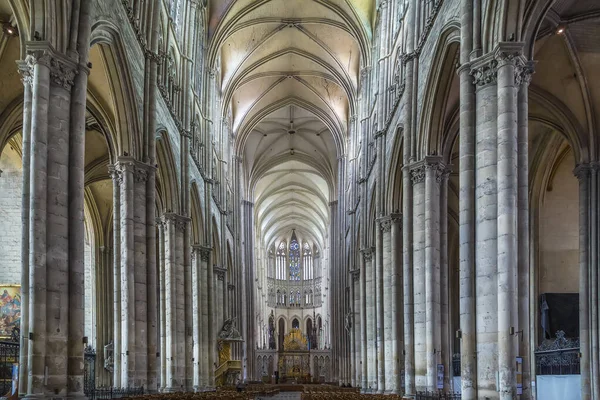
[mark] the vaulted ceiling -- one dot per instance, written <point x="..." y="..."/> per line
<point x="289" y="77"/>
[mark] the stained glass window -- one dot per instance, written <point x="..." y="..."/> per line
<point x="280" y="268"/>
<point x="294" y="259"/>
<point x="307" y="262"/>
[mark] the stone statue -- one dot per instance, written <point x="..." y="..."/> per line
<point x="348" y="321"/>
<point x="108" y="356"/>
<point x="272" y="331"/>
<point x="228" y="331"/>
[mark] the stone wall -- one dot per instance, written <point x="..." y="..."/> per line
<point x="10" y="216"/>
<point x="559" y="232"/>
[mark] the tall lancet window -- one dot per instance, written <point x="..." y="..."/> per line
<point x="294" y="259"/>
<point x="307" y="262"/>
<point x="280" y="262"/>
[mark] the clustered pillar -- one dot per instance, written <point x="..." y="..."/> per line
<point x="53" y="340"/>
<point x="491" y="183"/>
<point x="132" y="330"/>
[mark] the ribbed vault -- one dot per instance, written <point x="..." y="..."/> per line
<point x="289" y="72"/>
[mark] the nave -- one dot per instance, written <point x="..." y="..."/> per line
<point x="393" y="196"/>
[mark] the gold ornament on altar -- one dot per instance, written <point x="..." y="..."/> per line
<point x="295" y="341"/>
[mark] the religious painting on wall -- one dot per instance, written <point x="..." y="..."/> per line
<point x="10" y="309"/>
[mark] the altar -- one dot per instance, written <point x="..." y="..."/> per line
<point x="294" y="360"/>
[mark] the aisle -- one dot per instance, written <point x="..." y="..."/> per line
<point x="283" y="396"/>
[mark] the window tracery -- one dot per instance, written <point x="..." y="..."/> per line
<point x="294" y="259"/>
<point x="280" y="268"/>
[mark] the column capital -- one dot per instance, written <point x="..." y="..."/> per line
<point x="204" y="251"/>
<point x="355" y="273"/>
<point x="437" y="166"/>
<point x="62" y="68"/>
<point x="26" y="72"/>
<point x="509" y="53"/>
<point x="583" y="171"/>
<point x="395" y="217"/>
<point x="417" y="172"/>
<point x="220" y="272"/>
<point x="485" y="70"/>
<point x="179" y="221"/>
<point x="385" y="223"/>
<point x="367" y="254"/>
<point x="525" y="73"/>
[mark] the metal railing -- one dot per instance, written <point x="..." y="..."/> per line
<point x="437" y="396"/>
<point x="9" y="355"/>
<point x="560" y="356"/>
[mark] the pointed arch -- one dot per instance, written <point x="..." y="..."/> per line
<point x="166" y="178"/>
<point x="216" y="242"/>
<point x="106" y="35"/>
<point x="437" y="94"/>
<point x="196" y="215"/>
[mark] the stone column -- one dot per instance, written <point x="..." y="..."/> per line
<point x="366" y="256"/>
<point x="354" y="345"/>
<point x="525" y="280"/>
<point x="378" y="267"/>
<point x="467" y="212"/>
<point x="175" y="226"/>
<point x="417" y="172"/>
<point x="196" y="316"/>
<point x="434" y="168"/>
<point x="387" y="300"/>
<point x="486" y="249"/>
<point x="131" y="332"/>
<point x="27" y="79"/>
<point x="593" y="259"/>
<point x="356" y="340"/>
<point x="371" y="322"/>
<point x="54" y="129"/>
<point x="408" y="280"/>
<point x="583" y="173"/>
<point x="394" y="385"/>
<point x="509" y="58"/>
<point x="117" y="179"/>
<point x="446" y="336"/>
<point x="163" y="302"/>
<point x="207" y="316"/>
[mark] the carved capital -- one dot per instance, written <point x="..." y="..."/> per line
<point x="485" y="71"/>
<point x="62" y="69"/>
<point x="26" y="72"/>
<point x="219" y="272"/>
<point x="205" y="253"/>
<point x="140" y="174"/>
<point x="355" y="273"/>
<point x="396" y="218"/>
<point x="367" y="254"/>
<point x="178" y="221"/>
<point x="116" y="174"/>
<point x="435" y="165"/>
<point x="525" y="73"/>
<point x="507" y="53"/>
<point x="582" y="171"/>
<point x="417" y="173"/>
<point x="385" y="224"/>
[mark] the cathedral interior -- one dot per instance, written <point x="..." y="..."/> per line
<point x="393" y="197"/>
